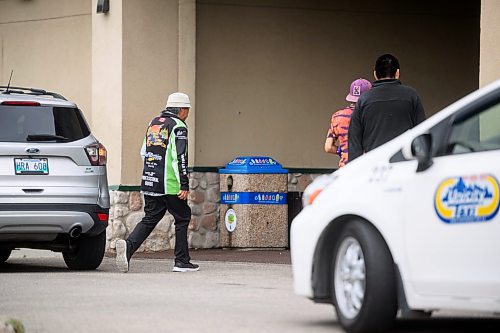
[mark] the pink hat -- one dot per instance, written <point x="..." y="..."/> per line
<point x="358" y="87"/>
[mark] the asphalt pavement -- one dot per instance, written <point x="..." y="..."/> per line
<point x="235" y="291"/>
<point x="227" y="295"/>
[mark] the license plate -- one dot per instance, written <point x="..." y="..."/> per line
<point x="31" y="166"/>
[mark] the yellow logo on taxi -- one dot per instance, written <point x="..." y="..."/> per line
<point x="467" y="199"/>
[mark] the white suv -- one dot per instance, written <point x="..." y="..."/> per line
<point x="413" y="225"/>
<point x="53" y="184"/>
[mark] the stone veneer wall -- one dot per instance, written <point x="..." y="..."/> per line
<point x="203" y="231"/>
<point x="297" y="182"/>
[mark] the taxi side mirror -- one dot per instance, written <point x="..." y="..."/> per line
<point x="421" y="149"/>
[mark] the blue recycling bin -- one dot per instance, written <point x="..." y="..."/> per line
<point x="254" y="212"/>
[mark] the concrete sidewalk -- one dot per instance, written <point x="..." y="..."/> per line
<point x="265" y="256"/>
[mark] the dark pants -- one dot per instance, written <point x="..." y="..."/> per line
<point x="155" y="208"/>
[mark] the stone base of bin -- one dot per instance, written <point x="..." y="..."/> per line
<point x="256" y="226"/>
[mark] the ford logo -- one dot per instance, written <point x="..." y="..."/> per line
<point x="32" y="150"/>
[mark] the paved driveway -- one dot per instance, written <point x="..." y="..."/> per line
<point x="222" y="297"/>
<point x="36" y="288"/>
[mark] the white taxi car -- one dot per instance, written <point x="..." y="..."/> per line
<point x="411" y="226"/>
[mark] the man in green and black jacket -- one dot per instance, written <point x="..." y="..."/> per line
<point x="165" y="183"/>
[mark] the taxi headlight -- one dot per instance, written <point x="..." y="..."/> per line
<point x="316" y="187"/>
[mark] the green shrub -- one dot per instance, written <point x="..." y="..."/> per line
<point x="17" y="325"/>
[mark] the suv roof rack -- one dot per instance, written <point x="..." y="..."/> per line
<point x="29" y="91"/>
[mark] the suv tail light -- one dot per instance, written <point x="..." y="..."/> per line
<point x="97" y="154"/>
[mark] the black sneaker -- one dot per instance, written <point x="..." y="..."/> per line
<point x="182" y="267"/>
<point x="121" y="256"/>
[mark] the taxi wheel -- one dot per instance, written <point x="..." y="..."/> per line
<point x="88" y="254"/>
<point x="4" y="255"/>
<point x="363" y="280"/>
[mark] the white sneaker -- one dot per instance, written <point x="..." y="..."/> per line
<point x="121" y="256"/>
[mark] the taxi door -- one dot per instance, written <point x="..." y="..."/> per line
<point x="452" y="220"/>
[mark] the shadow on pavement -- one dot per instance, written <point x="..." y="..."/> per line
<point x="31" y="267"/>
<point x="448" y="325"/>
<point x="323" y="323"/>
<point x="431" y="325"/>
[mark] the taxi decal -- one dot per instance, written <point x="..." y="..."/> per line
<point x="467" y="199"/>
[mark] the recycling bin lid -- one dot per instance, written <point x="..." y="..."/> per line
<point x="253" y="165"/>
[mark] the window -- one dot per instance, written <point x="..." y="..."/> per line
<point x="481" y="132"/>
<point x="41" y="122"/>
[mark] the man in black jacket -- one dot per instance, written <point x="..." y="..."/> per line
<point x="386" y="111"/>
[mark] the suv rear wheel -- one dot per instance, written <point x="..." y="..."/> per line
<point x="363" y="280"/>
<point x="88" y="254"/>
<point x="4" y="255"/>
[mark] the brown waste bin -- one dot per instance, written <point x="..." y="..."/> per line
<point x="254" y="211"/>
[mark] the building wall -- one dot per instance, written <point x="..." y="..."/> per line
<point x="107" y="85"/>
<point x="490" y="42"/>
<point x="48" y="45"/>
<point x="118" y="67"/>
<point x="135" y="66"/>
<point x="490" y="58"/>
<point x="270" y="73"/>
<point x="150" y="72"/>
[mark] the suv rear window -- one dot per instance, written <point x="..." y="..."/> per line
<point x="41" y="123"/>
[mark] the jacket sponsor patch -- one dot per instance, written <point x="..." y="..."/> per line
<point x="156" y="136"/>
<point x="181" y="134"/>
<point x="467" y="199"/>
